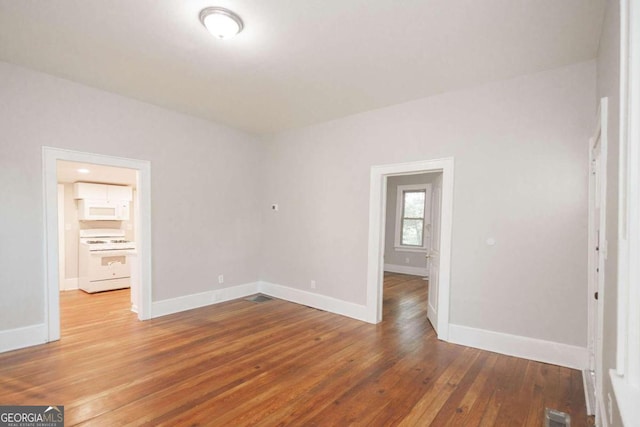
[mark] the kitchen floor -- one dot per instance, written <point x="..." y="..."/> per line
<point x="79" y="310"/>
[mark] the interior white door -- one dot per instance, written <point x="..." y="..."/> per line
<point x="595" y="252"/>
<point x="61" y="239"/>
<point x="594" y="273"/>
<point x="433" y="254"/>
<point x="597" y="255"/>
<point x="428" y="228"/>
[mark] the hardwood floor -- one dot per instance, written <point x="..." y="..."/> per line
<point x="275" y="364"/>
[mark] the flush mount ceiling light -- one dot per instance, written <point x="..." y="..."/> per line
<point x="221" y="22"/>
<point x="83" y="170"/>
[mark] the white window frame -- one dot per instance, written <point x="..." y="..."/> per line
<point x="625" y="378"/>
<point x="399" y="216"/>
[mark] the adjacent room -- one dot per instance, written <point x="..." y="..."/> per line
<point x="362" y="212"/>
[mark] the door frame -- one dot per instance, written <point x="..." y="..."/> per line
<point x="50" y="156"/>
<point x="595" y="322"/>
<point x="625" y="379"/>
<point x="377" y="221"/>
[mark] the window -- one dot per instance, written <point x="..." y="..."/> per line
<point x="412" y="229"/>
<point x="412" y="216"/>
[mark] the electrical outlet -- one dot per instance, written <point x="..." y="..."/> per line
<point x="221" y="279"/>
<point x="313" y="284"/>
<point x="406" y="260"/>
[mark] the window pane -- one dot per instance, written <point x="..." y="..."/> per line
<point x="414" y="204"/>
<point x="412" y="232"/>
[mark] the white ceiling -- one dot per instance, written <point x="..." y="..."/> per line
<point x="297" y="62"/>
<point x="68" y="173"/>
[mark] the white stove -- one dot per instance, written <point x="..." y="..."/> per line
<point x="103" y="260"/>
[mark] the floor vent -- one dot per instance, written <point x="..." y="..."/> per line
<point x="258" y="298"/>
<point x="554" y="418"/>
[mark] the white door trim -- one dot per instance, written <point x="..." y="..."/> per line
<point x="377" y="217"/>
<point x="628" y="337"/>
<point x="625" y="379"/>
<point x="50" y="156"/>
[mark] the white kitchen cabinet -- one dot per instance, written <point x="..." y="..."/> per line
<point x="86" y="190"/>
<point x="91" y="191"/>
<point x="119" y="192"/>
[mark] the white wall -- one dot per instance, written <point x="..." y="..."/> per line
<point x="205" y="216"/>
<point x="520" y="178"/>
<point x="392" y="256"/>
<point x="608" y="84"/>
<point x="521" y="175"/>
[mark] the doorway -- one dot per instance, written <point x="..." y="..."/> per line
<point x="439" y="313"/>
<point x="141" y="227"/>
<point x="114" y="264"/>
<point x="412" y="238"/>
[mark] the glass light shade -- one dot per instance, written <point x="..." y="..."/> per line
<point x="221" y="23"/>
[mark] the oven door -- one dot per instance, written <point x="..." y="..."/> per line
<point x="105" y="265"/>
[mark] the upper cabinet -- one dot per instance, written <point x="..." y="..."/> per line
<point x="119" y="192"/>
<point x="90" y="191"/>
<point x="102" y="201"/>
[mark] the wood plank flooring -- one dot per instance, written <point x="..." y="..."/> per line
<point x="278" y="364"/>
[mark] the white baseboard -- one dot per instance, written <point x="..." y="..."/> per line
<point x="188" y="302"/>
<point x="322" y="302"/>
<point x="514" y="345"/>
<point x="69" y="284"/>
<point x="27" y="336"/>
<point x="406" y="269"/>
